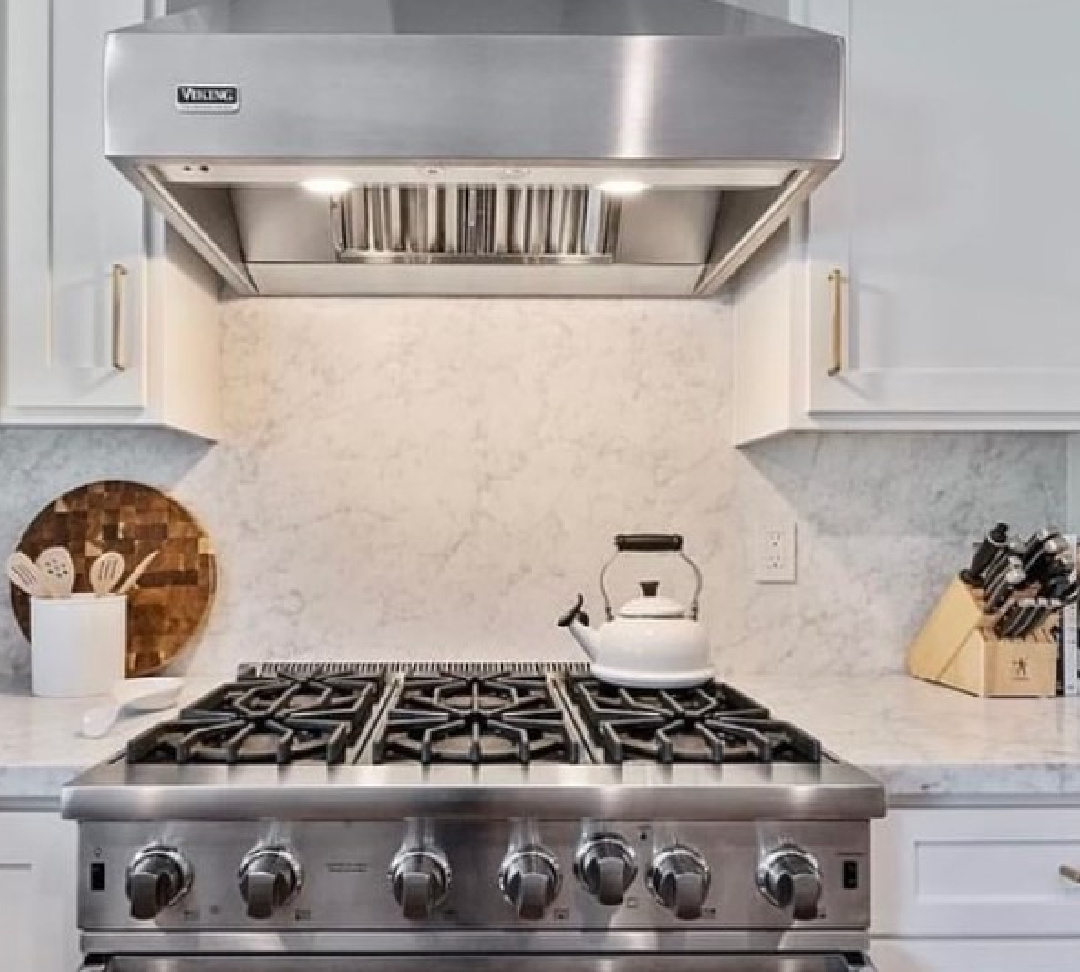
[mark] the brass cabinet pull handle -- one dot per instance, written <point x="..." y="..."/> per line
<point x="119" y="273"/>
<point x="1070" y="873"/>
<point x="836" y="360"/>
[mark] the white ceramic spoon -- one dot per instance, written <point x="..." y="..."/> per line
<point x="131" y="696"/>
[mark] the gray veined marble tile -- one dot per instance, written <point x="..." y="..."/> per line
<point x="438" y="478"/>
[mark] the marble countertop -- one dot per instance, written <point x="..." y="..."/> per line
<point x="922" y="741"/>
<point x="925" y="740"/>
<point x="41" y="748"/>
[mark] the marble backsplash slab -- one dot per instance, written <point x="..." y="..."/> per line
<point x="439" y="478"/>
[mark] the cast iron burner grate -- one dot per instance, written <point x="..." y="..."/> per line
<point x="460" y="717"/>
<point x="712" y="723"/>
<point x="316" y="718"/>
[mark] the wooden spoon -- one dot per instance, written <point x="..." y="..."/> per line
<point x="137" y="573"/>
<point x="59" y="570"/>
<point x="105" y="572"/>
<point x="23" y="573"/>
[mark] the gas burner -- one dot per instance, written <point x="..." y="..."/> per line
<point x="712" y="723"/>
<point x="284" y="719"/>
<point x="456" y="716"/>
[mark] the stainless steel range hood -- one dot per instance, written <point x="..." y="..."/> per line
<point x="489" y="147"/>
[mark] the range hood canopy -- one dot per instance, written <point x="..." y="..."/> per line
<point x="527" y="147"/>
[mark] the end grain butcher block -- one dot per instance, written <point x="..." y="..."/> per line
<point x="170" y="602"/>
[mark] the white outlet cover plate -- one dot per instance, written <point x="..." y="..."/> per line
<point x="775" y="556"/>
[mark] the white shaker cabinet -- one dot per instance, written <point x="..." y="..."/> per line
<point x="37" y="892"/>
<point x="976" y="887"/>
<point x="975" y="955"/>
<point x="107" y="318"/>
<point x="932" y="283"/>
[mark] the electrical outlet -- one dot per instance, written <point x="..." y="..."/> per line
<point x="775" y="563"/>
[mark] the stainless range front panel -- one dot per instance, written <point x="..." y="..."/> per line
<point x="474" y="963"/>
<point x="345" y="886"/>
<point x="686" y="791"/>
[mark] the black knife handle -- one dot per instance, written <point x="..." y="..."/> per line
<point x="1005" y="623"/>
<point x="1004" y="588"/>
<point x="648" y="543"/>
<point x="1059" y="586"/>
<point x="995" y="539"/>
<point x="1033" y="620"/>
<point x="1020" y="622"/>
<point x="1033" y="546"/>
<point x="1005" y="558"/>
<point x="1052" y="557"/>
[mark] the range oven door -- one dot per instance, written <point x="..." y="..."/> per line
<point x="638" y="962"/>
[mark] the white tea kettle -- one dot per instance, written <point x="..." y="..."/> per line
<point x="652" y="641"/>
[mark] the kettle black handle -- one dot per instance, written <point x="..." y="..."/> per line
<point x="648" y="543"/>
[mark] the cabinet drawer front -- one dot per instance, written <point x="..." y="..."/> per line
<point x="974" y="955"/>
<point x="977" y="871"/>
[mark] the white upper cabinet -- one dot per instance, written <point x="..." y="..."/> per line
<point x="107" y="320"/>
<point x="933" y="283"/>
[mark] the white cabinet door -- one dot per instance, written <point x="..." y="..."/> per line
<point x="76" y="232"/>
<point x="952" y="216"/>
<point x="37" y="893"/>
<point x="976" y="872"/>
<point x="975" y="955"/>
<point x="105" y="318"/>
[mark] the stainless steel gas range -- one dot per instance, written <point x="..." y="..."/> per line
<point x="352" y="817"/>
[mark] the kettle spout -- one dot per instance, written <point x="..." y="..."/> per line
<point x="576" y="621"/>
<point x="586" y="637"/>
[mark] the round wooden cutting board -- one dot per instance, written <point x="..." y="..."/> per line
<point x="170" y="603"/>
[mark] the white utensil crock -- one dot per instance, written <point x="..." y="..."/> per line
<point x="78" y="644"/>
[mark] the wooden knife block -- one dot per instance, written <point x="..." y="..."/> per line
<point x="957" y="647"/>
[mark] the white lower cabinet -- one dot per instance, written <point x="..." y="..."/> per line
<point x="978" y="888"/>
<point x="976" y="955"/>
<point x="37" y="893"/>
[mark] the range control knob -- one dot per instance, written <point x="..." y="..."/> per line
<point x="605" y="865"/>
<point x="529" y="879"/>
<point x="157" y="877"/>
<point x="679" y="878"/>
<point x="790" y="878"/>
<point x="270" y="877"/>
<point x="420" y="879"/>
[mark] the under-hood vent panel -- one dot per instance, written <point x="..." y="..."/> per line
<point x="428" y="224"/>
<point x="473" y="145"/>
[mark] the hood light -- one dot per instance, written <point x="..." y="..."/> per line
<point x="326" y="186"/>
<point x="622" y="187"/>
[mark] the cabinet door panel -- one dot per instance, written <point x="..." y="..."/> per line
<point x="951" y="215"/>
<point x="974" y="955"/>
<point x="69" y="347"/>
<point x="37" y="892"/>
<point x="973" y="872"/>
<point x="15" y="913"/>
